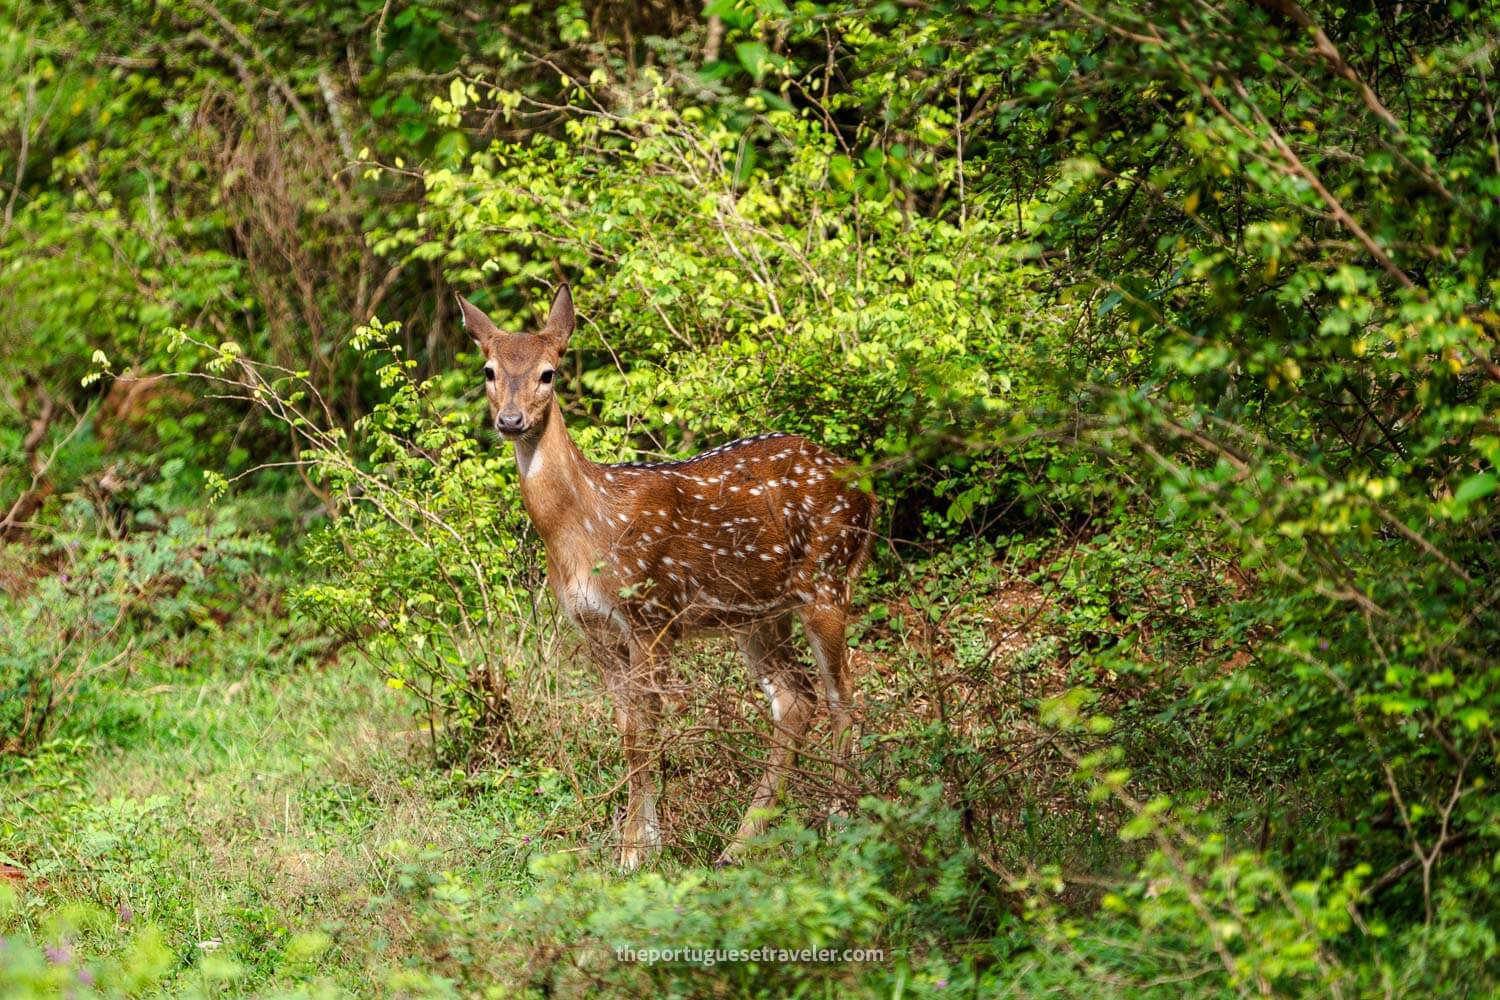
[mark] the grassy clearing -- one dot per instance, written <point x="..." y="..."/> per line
<point x="246" y="807"/>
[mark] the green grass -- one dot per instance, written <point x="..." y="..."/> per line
<point x="247" y="807"/>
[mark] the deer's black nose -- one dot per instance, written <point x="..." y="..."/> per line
<point x="509" y="422"/>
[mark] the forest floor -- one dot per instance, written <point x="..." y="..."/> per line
<point x="274" y="810"/>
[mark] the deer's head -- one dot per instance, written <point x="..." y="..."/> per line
<point x="520" y="368"/>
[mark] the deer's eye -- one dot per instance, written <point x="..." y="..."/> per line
<point x="489" y="373"/>
<point x="547" y="376"/>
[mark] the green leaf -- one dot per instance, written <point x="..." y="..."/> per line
<point x="1475" y="488"/>
<point x="754" y="56"/>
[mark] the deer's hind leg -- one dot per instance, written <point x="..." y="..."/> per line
<point x="766" y="647"/>
<point x="825" y="624"/>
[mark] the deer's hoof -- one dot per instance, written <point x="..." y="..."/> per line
<point x="731" y="854"/>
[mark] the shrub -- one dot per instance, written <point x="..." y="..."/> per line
<point x="107" y="600"/>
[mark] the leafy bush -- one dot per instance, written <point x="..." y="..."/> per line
<point x="107" y="600"/>
<point x="700" y="274"/>
<point x="427" y="567"/>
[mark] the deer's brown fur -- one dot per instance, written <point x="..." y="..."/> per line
<point x="737" y="539"/>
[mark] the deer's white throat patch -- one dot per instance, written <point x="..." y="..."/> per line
<point x="528" y="459"/>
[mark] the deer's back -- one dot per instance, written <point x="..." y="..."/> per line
<point x="745" y="530"/>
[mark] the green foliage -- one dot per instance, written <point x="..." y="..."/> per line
<point x="703" y="274"/>
<point x="1315" y="392"/>
<point x="426" y="565"/>
<point x="1166" y="332"/>
<point x="68" y="633"/>
<point x="578" y="929"/>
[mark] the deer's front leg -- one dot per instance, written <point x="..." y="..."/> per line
<point x="637" y="705"/>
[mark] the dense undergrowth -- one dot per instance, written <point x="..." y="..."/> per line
<point x="1165" y="332"/>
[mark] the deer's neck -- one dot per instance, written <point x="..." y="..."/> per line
<point x="555" y="486"/>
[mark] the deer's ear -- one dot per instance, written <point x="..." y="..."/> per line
<point x="560" y="318"/>
<point x="476" y="322"/>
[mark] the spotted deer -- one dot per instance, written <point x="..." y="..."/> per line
<point x="737" y="540"/>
